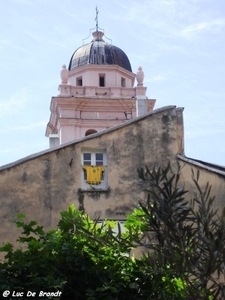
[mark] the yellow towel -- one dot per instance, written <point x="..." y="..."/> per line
<point x="94" y="174"/>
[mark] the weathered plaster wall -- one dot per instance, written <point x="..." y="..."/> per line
<point x="44" y="184"/>
<point x="213" y="177"/>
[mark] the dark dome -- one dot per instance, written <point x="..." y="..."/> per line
<point x="98" y="52"/>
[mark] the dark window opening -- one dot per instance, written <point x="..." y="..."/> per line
<point x="79" y="81"/>
<point x="90" y="131"/>
<point x="87" y="159"/>
<point x="87" y="162"/>
<point x="99" y="159"/>
<point x="101" y="80"/>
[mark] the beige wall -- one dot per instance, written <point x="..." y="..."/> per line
<point x="214" y="177"/>
<point x="46" y="183"/>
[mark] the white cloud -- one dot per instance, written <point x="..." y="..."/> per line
<point x="15" y="103"/>
<point x="194" y="29"/>
<point x="208" y="124"/>
<point x="26" y="2"/>
<point x="193" y="132"/>
<point x="154" y="78"/>
<point x="10" y="44"/>
<point x="27" y="127"/>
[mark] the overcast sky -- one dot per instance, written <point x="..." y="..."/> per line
<point x="180" y="45"/>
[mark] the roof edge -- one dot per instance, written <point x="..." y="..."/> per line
<point x="89" y="66"/>
<point x="218" y="169"/>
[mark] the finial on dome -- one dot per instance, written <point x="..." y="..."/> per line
<point x="140" y="76"/>
<point x="97" y="35"/>
<point x="64" y="74"/>
<point x="96" y="18"/>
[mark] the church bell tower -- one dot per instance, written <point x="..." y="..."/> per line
<point x="97" y="91"/>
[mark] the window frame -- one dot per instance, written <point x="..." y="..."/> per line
<point x="104" y="183"/>
<point x="115" y="229"/>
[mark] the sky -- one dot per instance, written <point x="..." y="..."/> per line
<point x="180" y="45"/>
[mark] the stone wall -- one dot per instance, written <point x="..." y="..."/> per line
<point x="208" y="173"/>
<point x="46" y="183"/>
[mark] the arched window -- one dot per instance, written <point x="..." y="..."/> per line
<point x="90" y="131"/>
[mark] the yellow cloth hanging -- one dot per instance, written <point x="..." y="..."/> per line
<point x="94" y="174"/>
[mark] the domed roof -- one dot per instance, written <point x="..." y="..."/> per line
<point x="98" y="52"/>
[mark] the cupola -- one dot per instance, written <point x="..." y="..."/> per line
<point x="99" y="52"/>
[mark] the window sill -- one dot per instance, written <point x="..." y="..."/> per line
<point x="94" y="190"/>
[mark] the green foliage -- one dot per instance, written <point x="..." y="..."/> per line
<point x="183" y="245"/>
<point x="187" y="238"/>
<point x="82" y="258"/>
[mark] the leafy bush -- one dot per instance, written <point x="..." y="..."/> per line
<point x="81" y="258"/>
<point x="183" y="245"/>
<point x="186" y="237"/>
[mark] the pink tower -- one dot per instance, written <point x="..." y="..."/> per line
<point x="96" y="92"/>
